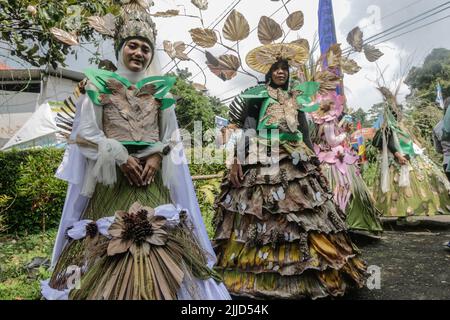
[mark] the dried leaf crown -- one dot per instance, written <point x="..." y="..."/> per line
<point x="134" y="24"/>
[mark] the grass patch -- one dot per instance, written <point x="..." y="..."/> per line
<point x="17" y="282"/>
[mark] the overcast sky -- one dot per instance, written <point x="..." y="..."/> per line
<point x="373" y="16"/>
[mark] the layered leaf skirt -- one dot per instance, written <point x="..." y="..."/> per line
<point x="280" y="235"/>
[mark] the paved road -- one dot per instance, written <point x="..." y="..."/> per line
<point x="413" y="262"/>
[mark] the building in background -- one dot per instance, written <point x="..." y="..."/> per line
<point x="22" y="91"/>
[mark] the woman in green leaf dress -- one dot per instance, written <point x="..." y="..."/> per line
<point x="410" y="183"/>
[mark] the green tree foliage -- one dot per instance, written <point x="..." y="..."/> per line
<point x="423" y="112"/>
<point x="360" y="116"/>
<point x="423" y="80"/>
<point x="193" y="105"/>
<point x="219" y="108"/>
<point x="32" y="197"/>
<point x="421" y="122"/>
<point x="25" y="27"/>
<point x="373" y="113"/>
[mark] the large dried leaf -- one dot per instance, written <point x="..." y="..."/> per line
<point x="167" y="14"/>
<point x="349" y="66"/>
<point x="118" y="246"/>
<point x="64" y="36"/>
<point x="334" y="55"/>
<point x="176" y="50"/>
<point x="201" y="4"/>
<point x="225" y="67"/>
<point x="199" y="87"/>
<point x="168" y="48"/>
<point x="302" y="43"/>
<point x="269" y="30"/>
<point x="179" y="48"/>
<point x="205" y="38"/>
<point x="236" y="27"/>
<point x="104" y="25"/>
<point x="328" y="81"/>
<point x="372" y="54"/>
<point x="355" y="39"/>
<point x="295" y="20"/>
<point x="107" y="65"/>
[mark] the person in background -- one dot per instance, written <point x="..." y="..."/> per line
<point x="442" y="146"/>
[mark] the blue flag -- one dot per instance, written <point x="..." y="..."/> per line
<point x="327" y="29"/>
<point x="439" y="97"/>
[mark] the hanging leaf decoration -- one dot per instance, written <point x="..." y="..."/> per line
<point x="295" y="20"/>
<point x="372" y="54"/>
<point x="167" y="14"/>
<point x="168" y="48"/>
<point x="104" y="25"/>
<point x="302" y="43"/>
<point x="236" y="27"/>
<point x="210" y="59"/>
<point x="328" y="81"/>
<point x="64" y="36"/>
<point x="176" y="50"/>
<point x="180" y="47"/>
<point x="355" y="39"/>
<point x="199" y="87"/>
<point x="225" y="67"/>
<point x="205" y="38"/>
<point x="334" y="55"/>
<point x="349" y="66"/>
<point x="201" y="4"/>
<point x="268" y="30"/>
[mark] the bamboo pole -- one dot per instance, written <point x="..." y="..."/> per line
<point x="208" y="177"/>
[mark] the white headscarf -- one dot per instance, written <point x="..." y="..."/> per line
<point x="151" y="70"/>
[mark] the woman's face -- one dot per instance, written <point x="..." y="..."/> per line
<point x="137" y="55"/>
<point x="280" y="76"/>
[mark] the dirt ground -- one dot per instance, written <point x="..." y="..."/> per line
<point x="413" y="262"/>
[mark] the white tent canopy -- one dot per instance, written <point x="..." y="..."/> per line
<point x="39" y="130"/>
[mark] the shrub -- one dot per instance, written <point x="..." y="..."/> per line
<point x="32" y="197"/>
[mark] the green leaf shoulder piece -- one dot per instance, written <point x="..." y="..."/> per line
<point x="308" y="89"/>
<point x="99" y="79"/>
<point x="255" y="93"/>
<point x="238" y="109"/>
